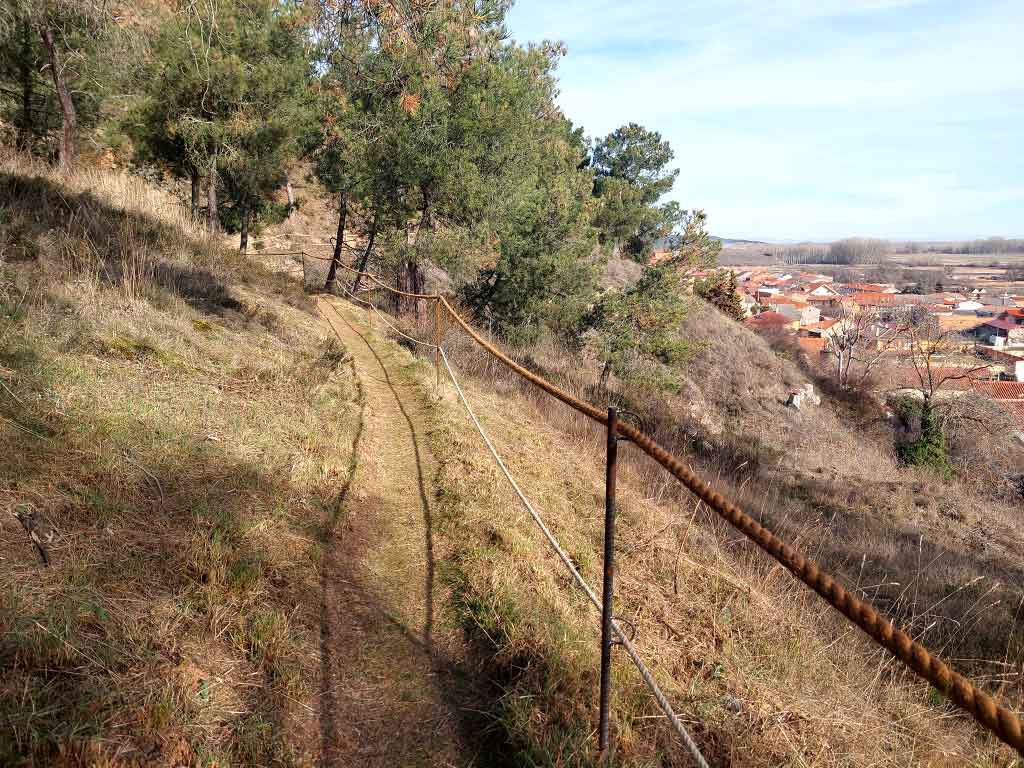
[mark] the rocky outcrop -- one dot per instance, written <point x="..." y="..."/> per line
<point x="802" y="397"/>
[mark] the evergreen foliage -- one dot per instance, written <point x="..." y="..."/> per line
<point x="223" y="95"/>
<point x="637" y="331"/>
<point x="720" y="290"/>
<point x="928" y="449"/>
<point x="631" y="175"/>
<point x="439" y="137"/>
<point x="58" y="64"/>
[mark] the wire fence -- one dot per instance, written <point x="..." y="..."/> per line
<point x="1003" y="722"/>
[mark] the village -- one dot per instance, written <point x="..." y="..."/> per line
<point x="939" y="345"/>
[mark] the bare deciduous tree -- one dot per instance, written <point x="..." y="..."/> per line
<point x="934" y="355"/>
<point x="859" y="341"/>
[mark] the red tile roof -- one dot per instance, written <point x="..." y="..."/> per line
<point x="1000" y="390"/>
<point x="811" y="345"/>
<point x="1005" y="325"/>
<point x="906" y="376"/>
<point x="868" y="287"/>
<point x="824" y="325"/>
<point x="770" y="318"/>
<point x="873" y="299"/>
<point x="959" y="322"/>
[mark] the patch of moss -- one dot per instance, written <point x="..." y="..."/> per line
<point x="131" y="348"/>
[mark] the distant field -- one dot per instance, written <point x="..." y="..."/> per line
<point x="983" y="270"/>
<point x="755" y="254"/>
<point x="768" y="253"/>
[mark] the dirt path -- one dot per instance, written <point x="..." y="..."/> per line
<point x="390" y="694"/>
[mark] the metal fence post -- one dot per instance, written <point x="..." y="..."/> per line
<point x="607" y="595"/>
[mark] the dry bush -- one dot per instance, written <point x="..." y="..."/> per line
<point x="111" y="229"/>
<point x="983" y="447"/>
<point x="621" y="273"/>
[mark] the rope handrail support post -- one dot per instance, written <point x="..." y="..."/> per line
<point x="1003" y="722"/>
<point x="608" y="587"/>
<point x="621" y="636"/>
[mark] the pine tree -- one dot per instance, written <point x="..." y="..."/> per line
<point x="55" y="60"/>
<point x="636" y="333"/>
<point x="631" y="176"/>
<point x="227" y="100"/>
<point x="720" y="290"/>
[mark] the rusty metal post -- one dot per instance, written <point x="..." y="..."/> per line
<point x="437" y="345"/>
<point x="608" y="593"/>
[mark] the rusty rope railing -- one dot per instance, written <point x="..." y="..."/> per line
<point x="994" y="716"/>
<point x="623" y="638"/>
<point x="997" y="718"/>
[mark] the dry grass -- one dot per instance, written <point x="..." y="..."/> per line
<point x="178" y="418"/>
<point x="765" y="673"/>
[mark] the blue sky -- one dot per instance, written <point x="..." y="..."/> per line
<point x="810" y="120"/>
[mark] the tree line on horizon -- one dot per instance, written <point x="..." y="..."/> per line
<point x="437" y="135"/>
<point x="854" y="251"/>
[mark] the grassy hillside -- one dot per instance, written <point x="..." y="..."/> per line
<point x="943" y="555"/>
<point x="178" y="418"/>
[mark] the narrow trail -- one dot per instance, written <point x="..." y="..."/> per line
<point x="390" y="692"/>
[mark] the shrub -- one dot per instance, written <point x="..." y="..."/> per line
<point x="929" y="449"/>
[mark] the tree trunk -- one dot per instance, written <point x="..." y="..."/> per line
<point x="194" y="176"/>
<point x="332" y="272"/>
<point x="243" y="242"/>
<point x="26" y="129"/>
<point x="365" y="258"/>
<point x="410" y="274"/>
<point x="291" y="194"/>
<point x="410" y="280"/>
<point x="67" y="106"/>
<point x="212" y="220"/>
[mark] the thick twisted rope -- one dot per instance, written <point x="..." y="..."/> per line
<point x="997" y="718"/>
<point x="384" y="285"/>
<point x="645" y="673"/>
